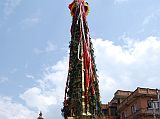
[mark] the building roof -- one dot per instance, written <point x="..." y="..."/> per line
<point x="137" y="93"/>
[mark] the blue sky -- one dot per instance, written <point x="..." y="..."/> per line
<point x="34" y="39"/>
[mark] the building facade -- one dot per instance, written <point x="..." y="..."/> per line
<point x="143" y="103"/>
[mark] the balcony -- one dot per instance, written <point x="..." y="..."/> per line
<point x="145" y="113"/>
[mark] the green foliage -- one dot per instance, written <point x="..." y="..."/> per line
<point x="74" y="91"/>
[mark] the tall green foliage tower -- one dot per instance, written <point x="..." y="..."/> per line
<point x="82" y="97"/>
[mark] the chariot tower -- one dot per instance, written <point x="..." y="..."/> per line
<point x="82" y="97"/>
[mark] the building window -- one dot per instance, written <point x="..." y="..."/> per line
<point x="153" y="104"/>
<point x="113" y="111"/>
<point x="105" y="112"/>
<point x="119" y="101"/>
<point x="134" y="108"/>
<point x="125" y="114"/>
<point x="158" y="104"/>
<point x="150" y="104"/>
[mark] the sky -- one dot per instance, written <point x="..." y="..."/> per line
<point x="34" y="40"/>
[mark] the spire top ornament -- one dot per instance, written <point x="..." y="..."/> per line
<point x="76" y="4"/>
<point x="40" y="116"/>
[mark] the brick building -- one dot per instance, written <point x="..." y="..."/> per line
<point x="143" y="103"/>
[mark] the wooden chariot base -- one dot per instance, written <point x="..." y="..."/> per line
<point x="83" y="117"/>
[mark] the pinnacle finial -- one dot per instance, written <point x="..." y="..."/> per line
<point x="40" y="116"/>
<point x="74" y="5"/>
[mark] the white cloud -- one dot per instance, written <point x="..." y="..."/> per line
<point x="14" y="70"/>
<point x="153" y="17"/>
<point x="12" y="110"/>
<point x="30" y="22"/>
<point x="134" y="64"/>
<point x="10" y="6"/>
<point x="120" y="1"/>
<point x="49" y="48"/>
<point x="38" y="99"/>
<point x="49" y="93"/>
<point x="29" y="76"/>
<point x="38" y="51"/>
<point x="127" y="68"/>
<point x="3" y="79"/>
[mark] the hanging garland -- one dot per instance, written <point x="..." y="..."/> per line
<point x="81" y="48"/>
